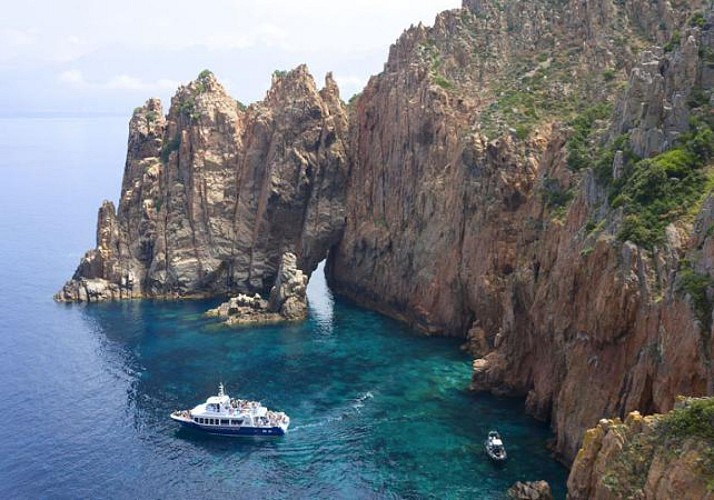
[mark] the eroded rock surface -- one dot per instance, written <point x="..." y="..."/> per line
<point x="468" y="212"/>
<point x="214" y="194"/>
<point x="464" y="214"/>
<point x="287" y="302"/>
<point x="535" y="490"/>
<point x="642" y="458"/>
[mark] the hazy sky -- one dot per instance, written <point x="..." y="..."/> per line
<point x="104" y="56"/>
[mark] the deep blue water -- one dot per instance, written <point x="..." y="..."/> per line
<point x="377" y="411"/>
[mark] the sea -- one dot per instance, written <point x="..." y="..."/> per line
<point x="377" y="410"/>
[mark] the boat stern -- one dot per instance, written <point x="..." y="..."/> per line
<point x="182" y="416"/>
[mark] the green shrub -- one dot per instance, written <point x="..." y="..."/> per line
<point x="606" y="156"/>
<point x="696" y="286"/>
<point x="586" y="251"/>
<point x="656" y="192"/>
<point x="523" y="131"/>
<point x="200" y="85"/>
<point x="353" y="99"/>
<point x="696" y="420"/>
<point x="609" y="75"/>
<point x="697" y="97"/>
<point x="700" y="143"/>
<point x="170" y="146"/>
<point x="673" y="42"/>
<point x="443" y="82"/>
<point x="697" y="20"/>
<point x="554" y="195"/>
<point x="580" y="149"/>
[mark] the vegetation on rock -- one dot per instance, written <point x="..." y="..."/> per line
<point x="655" y="192"/>
<point x="648" y="457"/>
<point x="581" y="150"/>
<point x="696" y="285"/>
<point x="169" y="147"/>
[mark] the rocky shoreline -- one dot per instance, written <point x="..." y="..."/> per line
<point x="538" y="184"/>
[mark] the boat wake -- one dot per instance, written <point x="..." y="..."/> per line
<point x="354" y="406"/>
<point x="359" y="402"/>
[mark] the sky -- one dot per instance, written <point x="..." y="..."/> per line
<point x="89" y="56"/>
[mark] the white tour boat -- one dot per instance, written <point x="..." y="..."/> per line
<point x="233" y="417"/>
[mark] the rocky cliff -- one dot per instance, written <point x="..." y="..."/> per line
<point x="532" y="181"/>
<point x="534" y="177"/>
<point x="214" y="194"/>
<point x="659" y="456"/>
<point x="287" y="301"/>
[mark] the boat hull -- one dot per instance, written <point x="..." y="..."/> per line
<point x="497" y="458"/>
<point x="232" y="431"/>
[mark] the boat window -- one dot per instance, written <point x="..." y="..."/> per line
<point x="224" y="421"/>
<point x="200" y="420"/>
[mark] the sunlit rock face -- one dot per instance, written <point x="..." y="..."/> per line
<point x="455" y="201"/>
<point x="213" y="194"/>
<point x="287" y="301"/>
<point x="465" y="216"/>
<point x="656" y="456"/>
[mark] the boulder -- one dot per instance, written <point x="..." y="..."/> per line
<point x="288" y="300"/>
<point x="535" y="490"/>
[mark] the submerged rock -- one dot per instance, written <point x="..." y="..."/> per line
<point x="532" y="490"/>
<point x="288" y="300"/>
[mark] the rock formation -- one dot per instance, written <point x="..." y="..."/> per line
<point x="214" y="194"/>
<point x="482" y="199"/>
<point x="536" y="490"/>
<point x="287" y="302"/>
<point x="660" y="456"/>
<point x="533" y="176"/>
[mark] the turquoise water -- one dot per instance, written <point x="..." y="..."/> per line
<point x="377" y="411"/>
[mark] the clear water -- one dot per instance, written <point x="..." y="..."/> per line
<point x="377" y="411"/>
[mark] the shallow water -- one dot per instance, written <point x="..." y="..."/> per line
<point x="377" y="411"/>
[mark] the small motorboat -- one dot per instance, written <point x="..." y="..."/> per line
<point x="494" y="447"/>
<point x="233" y="417"/>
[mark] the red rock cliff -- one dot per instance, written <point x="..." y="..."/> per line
<point x="532" y="176"/>
<point x="213" y="194"/>
<point x="467" y="213"/>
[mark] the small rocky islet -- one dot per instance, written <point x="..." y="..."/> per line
<point x="533" y="177"/>
<point x="287" y="302"/>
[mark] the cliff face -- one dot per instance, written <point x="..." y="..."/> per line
<point x="535" y="182"/>
<point x="214" y="194"/>
<point x="471" y="211"/>
<point x="660" y="456"/>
